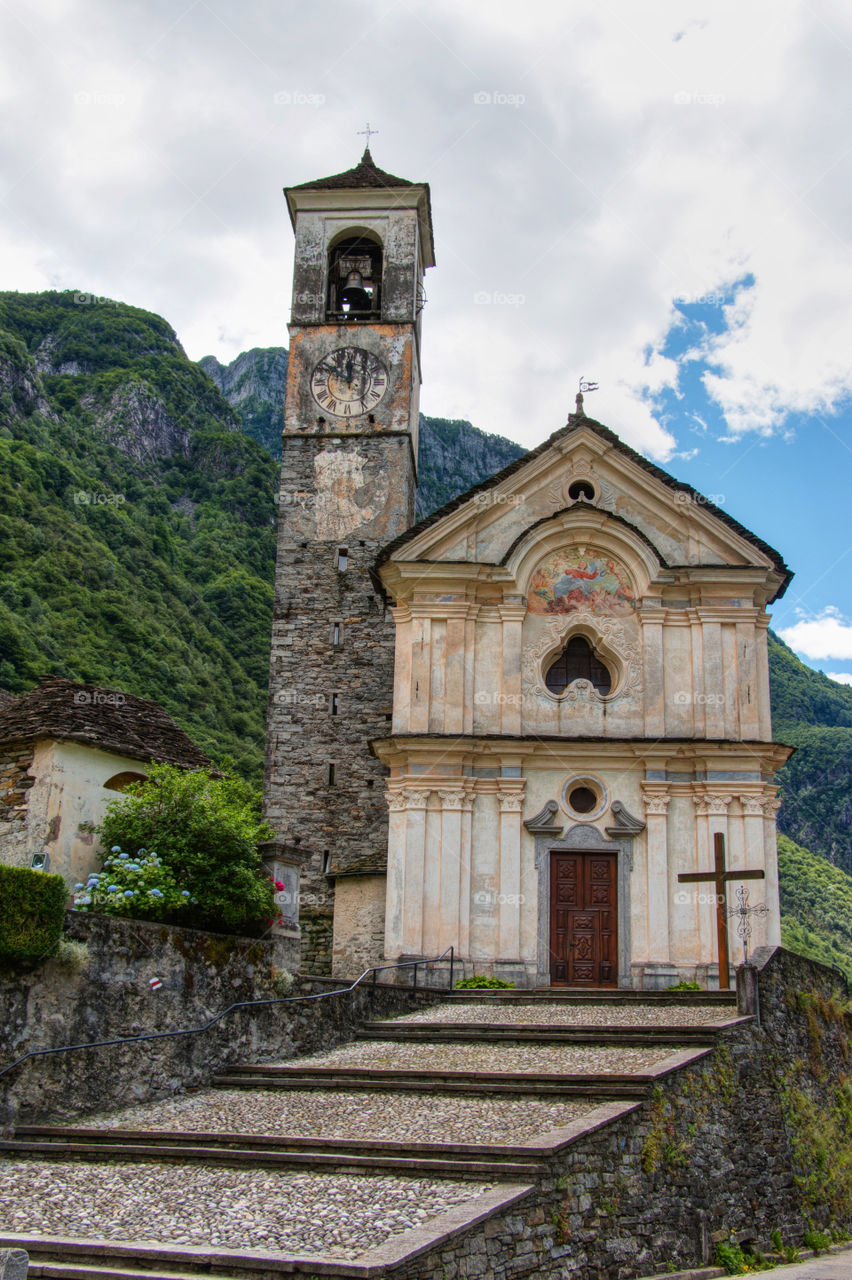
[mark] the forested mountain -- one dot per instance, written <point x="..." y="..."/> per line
<point x="813" y="714"/>
<point x="137" y="520"/>
<point x="138" y="523"/>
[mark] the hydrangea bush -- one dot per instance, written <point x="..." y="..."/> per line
<point x="142" y="887"/>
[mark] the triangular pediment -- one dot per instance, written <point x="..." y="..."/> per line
<point x="580" y="482"/>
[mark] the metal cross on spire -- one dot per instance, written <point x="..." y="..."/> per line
<point x="369" y="132"/>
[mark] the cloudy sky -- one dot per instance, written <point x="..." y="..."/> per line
<point x="655" y="196"/>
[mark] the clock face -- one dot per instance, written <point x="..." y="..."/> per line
<point x="349" y="381"/>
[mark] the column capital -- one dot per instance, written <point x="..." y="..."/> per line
<point x="712" y="804"/>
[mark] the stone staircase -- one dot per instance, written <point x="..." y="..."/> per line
<point x="457" y="1113"/>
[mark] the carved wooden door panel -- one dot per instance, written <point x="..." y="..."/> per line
<point x="583" y="920"/>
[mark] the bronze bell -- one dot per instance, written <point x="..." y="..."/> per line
<point x="354" y="296"/>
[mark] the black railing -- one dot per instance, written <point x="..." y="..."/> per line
<point x="243" y="1004"/>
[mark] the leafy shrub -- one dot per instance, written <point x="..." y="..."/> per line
<point x="482" y="980"/>
<point x="685" y="986"/>
<point x="817" y="1240"/>
<point x="32" y="912"/>
<point x="206" y="832"/>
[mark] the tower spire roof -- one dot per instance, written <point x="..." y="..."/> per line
<point x="365" y="174"/>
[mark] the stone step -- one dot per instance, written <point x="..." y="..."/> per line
<point x="591" y="995"/>
<point x="46" y="1269"/>
<point x="272" y="1142"/>
<point x="383" y="1079"/>
<point x="329" y="1160"/>
<point x="535" y="1033"/>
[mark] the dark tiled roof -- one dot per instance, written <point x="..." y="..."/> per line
<point x="6" y="697"/>
<point x="104" y="718"/>
<point x="575" y="423"/>
<point x="365" y="174"/>
<point x="371" y="864"/>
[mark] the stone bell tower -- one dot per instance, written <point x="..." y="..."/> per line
<point x="348" y="477"/>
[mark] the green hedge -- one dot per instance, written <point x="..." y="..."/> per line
<point x="32" y="912"/>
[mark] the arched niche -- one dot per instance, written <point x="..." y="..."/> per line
<point x="121" y="781"/>
<point x="354" y="274"/>
<point x="586" y="532"/>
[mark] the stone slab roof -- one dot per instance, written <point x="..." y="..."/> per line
<point x="108" y="719"/>
<point x="365" y="174"/>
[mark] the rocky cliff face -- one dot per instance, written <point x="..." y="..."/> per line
<point x="453" y="455"/>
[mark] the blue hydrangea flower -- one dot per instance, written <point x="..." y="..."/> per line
<point x="116" y="848"/>
<point x="79" y="885"/>
<point x="124" y="856"/>
<point x="156" y="893"/>
<point x="128" y="893"/>
<point x="184" y="893"/>
<point x="112" y="888"/>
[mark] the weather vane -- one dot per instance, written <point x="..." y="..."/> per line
<point x="744" y="913"/>
<point x="585" y="385"/>
<point x="369" y="132"/>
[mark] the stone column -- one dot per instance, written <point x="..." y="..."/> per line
<point x="773" y="920"/>
<point x="511" y="799"/>
<point x="711" y="816"/>
<point x="395" y="897"/>
<point x="415" y="872"/>
<point x="656" y="799"/>
<point x="512" y="616"/>
<point x="447" y="934"/>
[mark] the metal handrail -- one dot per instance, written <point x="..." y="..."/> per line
<point x="243" y="1004"/>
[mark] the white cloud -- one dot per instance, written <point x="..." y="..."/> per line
<point x="842" y="677"/>
<point x="828" y="635"/>
<point x="653" y="156"/>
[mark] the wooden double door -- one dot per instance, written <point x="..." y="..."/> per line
<point x="583" y="919"/>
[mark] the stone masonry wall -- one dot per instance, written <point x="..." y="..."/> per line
<point x="723" y="1148"/>
<point x="327" y="700"/>
<point x="108" y="995"/>
<point x="15" y="782"/>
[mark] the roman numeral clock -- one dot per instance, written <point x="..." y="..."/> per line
<point x="349" y="381"/>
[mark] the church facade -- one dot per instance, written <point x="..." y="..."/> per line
<point x="513" y="727"/>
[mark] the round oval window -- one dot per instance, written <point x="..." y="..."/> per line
<point x="583" y="800"/>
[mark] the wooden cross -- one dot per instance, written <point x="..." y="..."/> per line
<point x="720" y="877"/>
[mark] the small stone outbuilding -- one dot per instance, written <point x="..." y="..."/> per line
<point x="66" y="750"/>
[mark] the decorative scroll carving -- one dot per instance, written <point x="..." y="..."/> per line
<point x="543" y="824"/>
<point x="609" y="635"/>
<point x="624" y="824"/>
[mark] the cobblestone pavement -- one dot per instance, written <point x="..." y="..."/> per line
<point x="395" y="1117"/>
<point x="539" y="1013"/>
<point x="513" y="1059"/>
<point x="334" y="1214"/>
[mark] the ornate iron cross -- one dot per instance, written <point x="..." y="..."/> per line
<point x="744" y="913"/>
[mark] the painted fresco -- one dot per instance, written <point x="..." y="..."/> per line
<point x="567" y="580"/>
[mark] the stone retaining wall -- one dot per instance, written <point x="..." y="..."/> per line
<point x="109" y="995"/>
<point x="756" y="1137"/>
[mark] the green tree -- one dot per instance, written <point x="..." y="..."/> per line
<point x="206" y="831"/>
